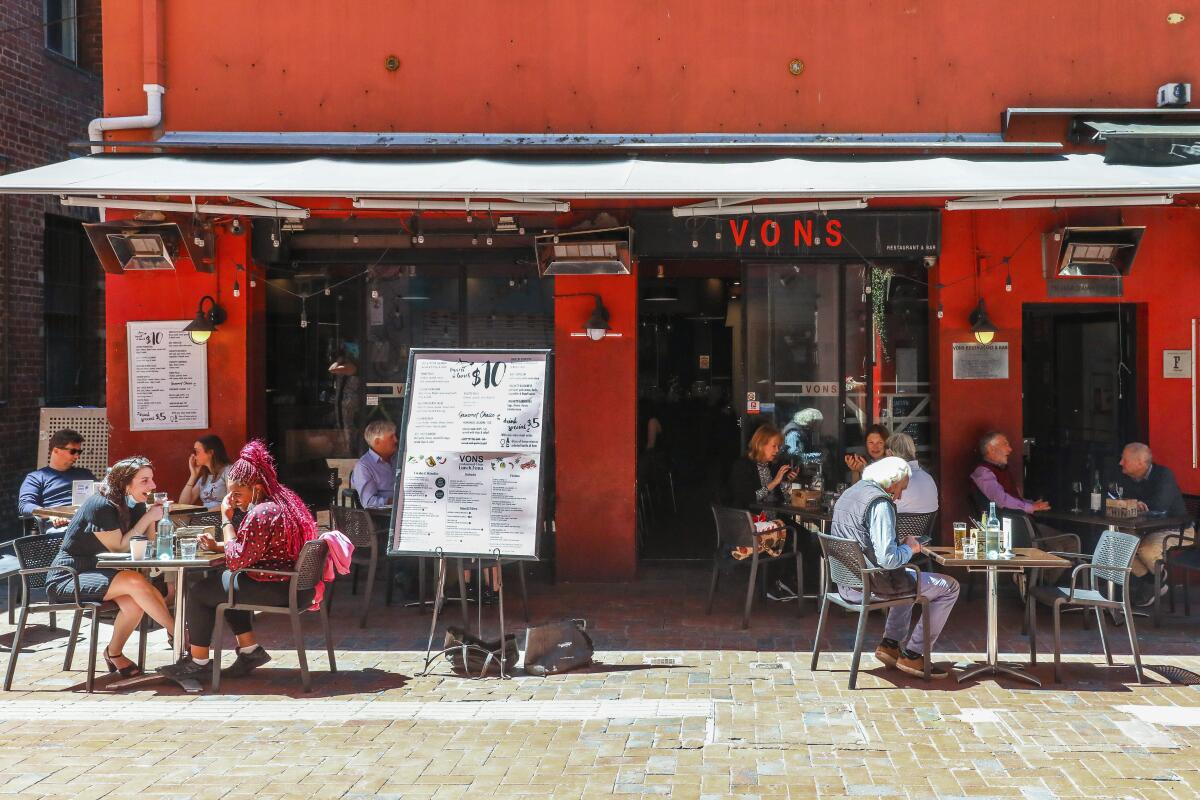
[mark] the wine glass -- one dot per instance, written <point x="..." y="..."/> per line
<point x="1077" y="489"/>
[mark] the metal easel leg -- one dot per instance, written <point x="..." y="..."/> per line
<point x="500" y="606"/>
<point x="438" y="597"/>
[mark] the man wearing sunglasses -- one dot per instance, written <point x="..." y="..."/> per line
<point x="51" y="485"/>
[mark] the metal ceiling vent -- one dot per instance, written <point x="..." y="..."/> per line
<point x="598" y="252"/>
<point x="133" y="245"/>
<point x="1103" y="252"/>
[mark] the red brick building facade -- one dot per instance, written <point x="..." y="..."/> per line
<point x="50" y="88"/>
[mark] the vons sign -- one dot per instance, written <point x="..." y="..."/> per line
<point x="871" y="234"/>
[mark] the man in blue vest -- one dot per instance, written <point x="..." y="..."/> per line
<point x="866" y="514"/>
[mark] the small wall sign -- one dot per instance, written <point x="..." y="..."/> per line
<point x="1177" y="363"/>
<point x="980" y="361"/>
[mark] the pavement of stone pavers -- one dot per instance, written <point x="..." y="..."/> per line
<point x="679" y="705"/>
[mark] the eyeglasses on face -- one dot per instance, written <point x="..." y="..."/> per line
<point x="75" y="451"/>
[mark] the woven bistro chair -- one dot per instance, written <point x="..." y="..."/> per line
<point x="1111" y="563"/>
<point x="310" y="565"/>
<point x="735" y="528"/>
<point x="1180" y="557"/>
<point x="206" y="519"/>
<point x="357" y="525"/>
<point x="35" y="554"/>
<point x="845" y="566"/>
<point x="910" y="524"/>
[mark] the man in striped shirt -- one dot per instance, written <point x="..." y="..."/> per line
<point x="51" y="485"/>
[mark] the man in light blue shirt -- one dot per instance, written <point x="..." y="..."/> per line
<point x="866" y="514"/>
<point x="374" y="476"/>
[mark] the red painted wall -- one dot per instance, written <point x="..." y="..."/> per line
<point x="235" y="382"/>
<point x="643" y="65"/>
<point x="595" y="406"/>
<point x="1165" y="278"/>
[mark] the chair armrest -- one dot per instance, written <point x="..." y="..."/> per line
<point x="1081" y="557"/>
<point x="46" y="570"/>
<point x="1081" y="568"/>
<point x="1178" y="537"/>
<point x="233" y="576"/>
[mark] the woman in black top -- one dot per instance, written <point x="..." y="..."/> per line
<point x="105" y="523"/>
<point x="754" y="478"/>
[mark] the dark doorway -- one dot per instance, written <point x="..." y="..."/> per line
<point x="1080" y="395"/>
<point x="687" y="429"/>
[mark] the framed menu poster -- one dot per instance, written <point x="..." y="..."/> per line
<point x="469" y="476"/>
<point x="168" y="377"/>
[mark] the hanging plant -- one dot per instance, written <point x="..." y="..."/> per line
<point x="881" y="282"/>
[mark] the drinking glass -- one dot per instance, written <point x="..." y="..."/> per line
<point x="1077" y="488"/>
<point x="187" y="549"/>
<point x="960" y="533"/>
<point x="158" y="498"/>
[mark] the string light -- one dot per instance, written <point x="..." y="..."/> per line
<point x="717" y="235"/>
<point x="356" y="238"/>
<point x="489" y="240"/>
<point x="303" y="315"/>
<point x="941" y="312"/>
<point x="237" y="290"/>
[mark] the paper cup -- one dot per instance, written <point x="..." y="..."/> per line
<point x="137" y="547"/>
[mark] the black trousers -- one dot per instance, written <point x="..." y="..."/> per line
<point x="206" y="594"/>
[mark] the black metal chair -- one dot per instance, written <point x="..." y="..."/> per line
<point x="1110" y="563"/>
<point x="1181" y="558"/>
<point x="35" y="554"/>
<point x="310" y="565"/>
<point x="10" y="568"/>
<point x="207" y="519"/>
<point x="844" y="566"/>
<point x="357" y="525"/>
<point x="735" y="528"/>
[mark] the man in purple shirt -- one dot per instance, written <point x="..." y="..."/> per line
<point x="374" y="476"/>
<point x="992" y="477"/>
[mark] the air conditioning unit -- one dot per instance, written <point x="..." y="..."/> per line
<point x="603" y="252"/>
<point x="134" y="245"/>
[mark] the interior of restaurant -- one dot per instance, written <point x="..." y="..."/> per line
<point x="826" y="347"/>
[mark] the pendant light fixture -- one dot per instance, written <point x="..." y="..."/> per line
<point x="981" y="324"/>
<point x="661" y="291"/>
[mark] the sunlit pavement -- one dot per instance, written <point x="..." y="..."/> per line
<point x="679" y="705"/>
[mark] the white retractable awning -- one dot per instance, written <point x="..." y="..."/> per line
<point x="615" y="179"/>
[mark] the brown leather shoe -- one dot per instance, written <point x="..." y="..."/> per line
<point x="916" y="668"/>
<point x="887" y="655"/>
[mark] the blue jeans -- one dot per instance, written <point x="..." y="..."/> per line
<point x="942" y="591"/>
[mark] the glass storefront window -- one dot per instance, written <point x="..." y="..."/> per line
<point x="826" y="357"/>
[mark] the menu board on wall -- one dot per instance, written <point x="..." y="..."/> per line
<point x="168" y="377"/>
<point x="469" y="481"/>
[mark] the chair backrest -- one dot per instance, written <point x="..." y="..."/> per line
<point x="205" y="518"/>
<point x="310" y="564"/>
<point x="843" y="560"/>
<point x="1115" y="549"/>
<point x="37" y="552"/>
<point x="1023" y="530"/>
<point x="355" y="524"/>
<point x="735" y="527"/>
<point x="976" y="499"/>
<point x="1192" y="503"/>
<point x="914" y="524"/>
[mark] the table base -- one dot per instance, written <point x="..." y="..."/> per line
<point x="984" y="669"/>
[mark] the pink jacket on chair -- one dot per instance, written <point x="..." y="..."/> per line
<point x="340" y="551"/>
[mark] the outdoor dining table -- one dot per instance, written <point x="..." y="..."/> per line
<point x="180" y="567"/>
<point x="66" y="512"/>
<point x="1023" y="558"/>
<point x="819" y="515"/>
<point x="1138" y="526"/>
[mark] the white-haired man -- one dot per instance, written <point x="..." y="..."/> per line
<point x="374" y="476"/>
<point x="1155" y="488"/>
<point x="866" y="514"/>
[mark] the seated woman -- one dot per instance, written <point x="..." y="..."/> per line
<point x="207" y="466"/>
<point x="276" y="526"/>
<point x="755" y="478"/>
<point x="876" y="442"/>
<point x="105" y="523"/>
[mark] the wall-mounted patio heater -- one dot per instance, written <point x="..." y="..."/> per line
<point x="597" y="252"/>
<point x="1089" y="261"/>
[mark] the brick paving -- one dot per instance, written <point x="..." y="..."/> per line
<point x="681" y="705"/>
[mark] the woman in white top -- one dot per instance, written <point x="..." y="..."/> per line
<point x="921" y="496"/>
<point x="207" y="465"/>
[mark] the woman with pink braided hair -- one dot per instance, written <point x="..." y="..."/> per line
<point x="276" y="526"/>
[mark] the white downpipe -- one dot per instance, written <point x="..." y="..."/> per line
<point x="151" y="119"/>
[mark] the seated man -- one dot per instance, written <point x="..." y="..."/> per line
<point x="993" y="479"/>
<point x="866" y="514"/>
<point x="50" y="486"/>
<point x="374" y="476"/>
<point x="1154" y="487"/>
